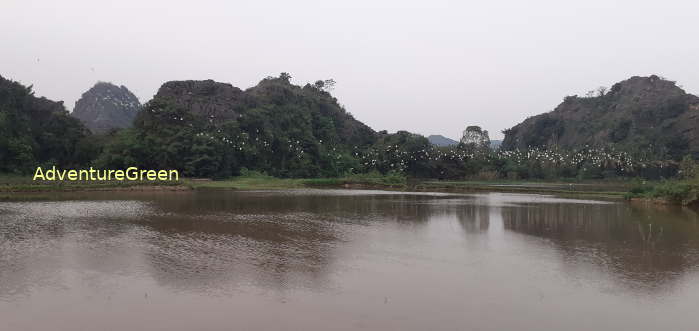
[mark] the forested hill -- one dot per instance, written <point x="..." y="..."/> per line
<point x="645" y="115"/>
<point x="209" y="129"/>
<point x="37" y="131"/>
<point x="215" y="130"/>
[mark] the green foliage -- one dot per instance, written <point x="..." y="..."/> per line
<point x="545" y="129"/>
<point x="35" y="131"/>
<point x="283" y="129"/>
<point x="674" y="191"/>
<point x="620" y="131"/>
<point x="689" y="169"/>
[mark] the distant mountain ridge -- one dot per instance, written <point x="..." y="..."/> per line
<point x="441" y="141"/>
<point x="106" y="106"/>
<point x="647" y="115"/>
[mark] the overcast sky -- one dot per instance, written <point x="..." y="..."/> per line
<point x="431" y="67"/>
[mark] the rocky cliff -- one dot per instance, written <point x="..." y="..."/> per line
<point x="106" y="106"/>
<point x="647" y="115"/>
<point x="207" y="98"/>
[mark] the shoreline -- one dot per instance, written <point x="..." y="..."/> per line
<point x="592" y="190"/>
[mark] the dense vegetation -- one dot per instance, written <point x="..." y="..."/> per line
<point x="683" y="189"/>
<point x="281" y="129"/>
<point x="36" y="131"/>
<point x="214" y="130"/>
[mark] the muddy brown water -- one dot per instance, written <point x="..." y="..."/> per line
<point x="345" y="260"/>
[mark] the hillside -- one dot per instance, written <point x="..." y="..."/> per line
<point x="36" y="131"/>
<point x="441" y="141"/>
<point x="643" y="115"/>
<point x="106" y="106"/>
<point x="209" y="128"/>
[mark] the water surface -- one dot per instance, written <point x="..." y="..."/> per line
<point x="345" y="260"/>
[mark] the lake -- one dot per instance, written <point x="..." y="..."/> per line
<point x="345" y="260"/>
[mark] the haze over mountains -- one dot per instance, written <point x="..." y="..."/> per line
<point x="441" y="141"/>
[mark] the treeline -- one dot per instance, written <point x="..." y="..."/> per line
<point x="37" y="131"/>
<point x="277" y="128"/>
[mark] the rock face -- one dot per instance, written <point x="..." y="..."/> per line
<point x="105" y="107"/>
<point x="640" y="114"/>
<point x="476" y="137"/>
<point x="207" y="98"/>
<point x="441" y="141"/>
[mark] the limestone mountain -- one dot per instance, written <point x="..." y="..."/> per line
<point x="207" y="128"/>
<point x="106" y="106"/>
<point x="216" y="101"/>
<point x="647" y="115"/>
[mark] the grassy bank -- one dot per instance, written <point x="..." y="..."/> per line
<point x="16" y="183"/>
<point x="251" y="180"/>
<point x="589" y="188"/>
<point x="684" y="192"/>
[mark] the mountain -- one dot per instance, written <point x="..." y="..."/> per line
<point x="106" y="106"/>
<point x="441" y="141"/>
<point x="36" y="131"/>
<point x="213" y="129"/>
<point x="646" y="115"/>
<point x="275" y="98"/>
<point x="495" y="144"/>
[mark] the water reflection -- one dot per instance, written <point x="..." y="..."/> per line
<point x="364" y="249"/>
<point x="644" y="248"/>
<point x="474" y="218"/>
<point x="279" y="240"/>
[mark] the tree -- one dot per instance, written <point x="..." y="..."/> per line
<point x="601" y="91"/>
<point x="285" y="76"/>
<point x="475" y="139"/>
<point x="325" y="85"/>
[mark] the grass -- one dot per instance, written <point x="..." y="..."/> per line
<point x="683" y="192"/>
<point x="17" y="183"/>
<point x="589" y="188"/>
<point x="249" y="180"/>
<point x="252" y="180"/>
<point x="245" y="183"/>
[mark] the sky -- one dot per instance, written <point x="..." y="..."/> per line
<point x="429" y="67"/>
